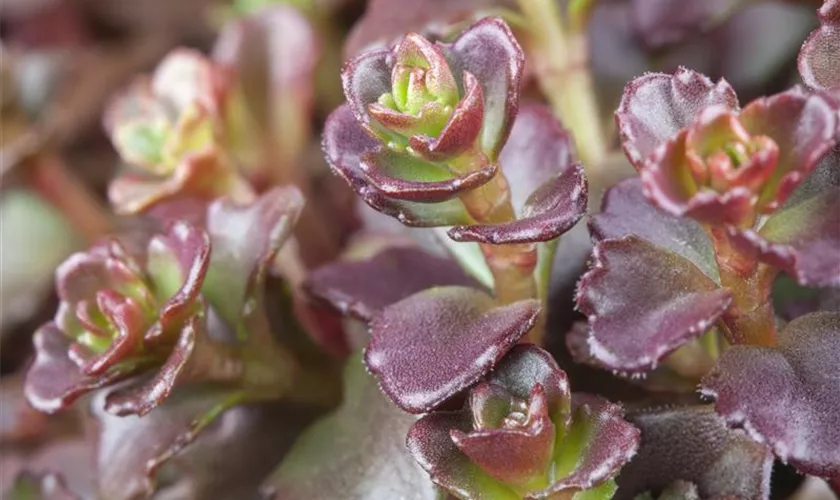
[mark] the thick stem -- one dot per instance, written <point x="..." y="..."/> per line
<point x="49" y="176"/>
<point x="512" y="265"/>
<point x="560" y="58"/>
<point x="750" y="318"/>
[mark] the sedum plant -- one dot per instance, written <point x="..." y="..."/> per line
<point x="530" y="298"/>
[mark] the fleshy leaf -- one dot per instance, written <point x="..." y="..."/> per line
<point x="818" y="62"/>
<point x="431" y="444"/>
<point x="549" y="191"/>
<point x="802" y="237"/>
<point x="432" y="345"/>
<point x="656" y="106"/>
<point x="335" y="458"/>
<point x="597" y="446"/>
<point x="245" y="240"/>
<point x="253" y="438"/>
<point x="363" y="288"/>
<point x="344" y="144"/>
<point x="489" y="51"/>
<point x="205" y="175"/>
<point x="799" y="376"/>
<point x="643" y="302"/>
<point x="54" y="381"/>
<point x="693" y="444"/>
<point x="525" y="366"/>
<point x="625" y="211"/>
<point x="386" y="170"/>
<point x="660" y="23"/>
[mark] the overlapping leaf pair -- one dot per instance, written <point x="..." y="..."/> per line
<point x="727" y="198"/>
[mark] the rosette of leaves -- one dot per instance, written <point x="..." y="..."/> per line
<point x="818" y="62"/>
<point x="686" y="256"/>
<point x="168" y="128"/>
<point x="424" y="138"/>
<point x="522" y="434"/>
<point x="187" y="310"/>
<point x="433" y="135"/>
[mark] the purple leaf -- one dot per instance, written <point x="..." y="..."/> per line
<point x="693" y="444"/>
<point x="655" y="107"/>
<point x="432" y="345"/>
<point x="431" y="444"/>
<point x="335" y="457"/>
<point x="489" y="51"/>
<point x="54" y="381"/>
<point x="626" y="211"/>
<point x="549" y="191"/>
<point x="802" y="237"/>
<point x="473" y="457"/>
<point x="643" y="302"/>
<point x="384" y="170"/>
<point x="799" y="376"/>
<point x="245" y="240"/>
<point x="344" y="144"/>
<point x="363" y="288"/>
<point x="664" y="22"/>
<point x="818" y="62"/>
<point x="170" y="456"/>
<point x="607" y="442"/>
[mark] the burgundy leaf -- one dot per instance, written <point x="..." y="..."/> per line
<point x="191" y="360"/>
<point x="526" y="366"/>
<point x="245" y="240"/>
<point x="54" y="381"/>
<point x="344" y="144"/>
<point x="429" y="441"/>
<point x="799" y="376"/>
<point x="802" y="237"/>
<point x="818" y="62"/>
<point x="489" y="51"/>
<point x="664" y="22"/>
<point x="643" y="302"/>
<point x="364" y="79"/>
<point x="626" y="211"/>
<point x="656" y="106"/>
<point x="169" y="455"/>
<point x="363" y="288"/>
<point x="384" y="170"/>
<point x="693" y="444"/>
<point x="803" y="126"/>
<point x="608" y="442"/>
<point x="513" y="456"/>
<point x="435" y="343"/>
<point x="548" y="188"/>
<point x="335" y="457"/>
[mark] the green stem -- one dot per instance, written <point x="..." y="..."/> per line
<point x="560" y="57"/>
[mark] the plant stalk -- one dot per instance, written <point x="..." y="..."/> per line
<point x="750" y="319"/>
<point x="561" y="62"/>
